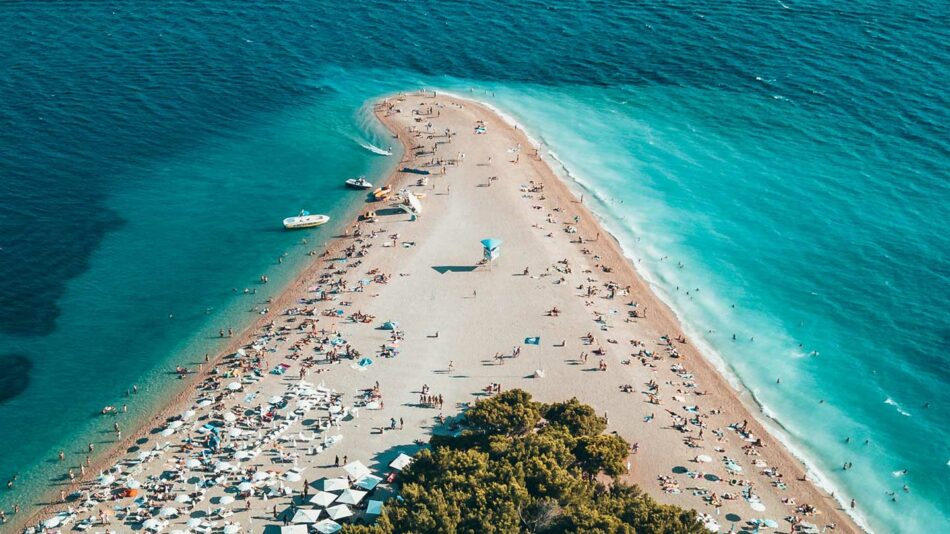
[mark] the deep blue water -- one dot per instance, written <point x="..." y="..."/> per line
<point x="792" y="156"/>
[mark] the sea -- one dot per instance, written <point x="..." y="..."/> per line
<point x="778" y="170"/>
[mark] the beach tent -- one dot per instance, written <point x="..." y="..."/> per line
<point x="401" y="461"/>
<point x="356" y="469"/>
<point x="327" y="526"/>
<point x="491" y="248"/>
<point x="368" y="482"/>
<point x="306" y="516"/>
<point x="293" y="529"/>
<point x="351" y="496"/>
<point x="339" y="511"/>
<point x="374" y="507"/>
<point x="335" y="484"/>
<point x="322" y="498"/>
<point x="390" y="325"/>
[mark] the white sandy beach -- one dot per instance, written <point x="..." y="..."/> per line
<point x="459" y="324"/>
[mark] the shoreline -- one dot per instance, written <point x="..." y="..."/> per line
<point x="177" y="398"/>
<point x="773" y="426"/>
<point x="660" y="311"/>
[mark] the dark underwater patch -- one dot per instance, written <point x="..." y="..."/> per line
<point x="14" y="375"/>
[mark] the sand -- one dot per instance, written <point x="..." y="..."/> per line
<point x="456" y="314"/>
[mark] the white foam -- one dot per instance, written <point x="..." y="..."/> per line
<point x="896" y="406"/>
<point x="375" y="149"/>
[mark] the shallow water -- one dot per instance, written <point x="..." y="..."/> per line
<point x="793" y="161"/>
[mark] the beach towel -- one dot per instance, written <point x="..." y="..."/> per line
<point x="532" y="340"/>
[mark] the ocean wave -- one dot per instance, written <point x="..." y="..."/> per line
<point x="896" y="406"/>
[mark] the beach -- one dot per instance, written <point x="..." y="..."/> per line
<point x="560" y="312"/>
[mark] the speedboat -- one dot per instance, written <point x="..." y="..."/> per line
<point x="305" y="220"/>
<point x="359" y="183"/>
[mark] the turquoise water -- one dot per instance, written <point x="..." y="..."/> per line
<point x="790" y="160"/>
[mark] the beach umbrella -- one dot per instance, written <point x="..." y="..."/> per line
<point x="390" y="325"/>
<point x="356" y="469"/>
<point x="339" y="511"/>
<point x="245" y="486"/>
<point x="401" y="461"/>
<point x="233" y="528"/>
<point x="168" y="511"/>
<point x="176" y="424"/>
<point x="261" y="476"/>
<point x="133" y="484"/>
<point x="194" y="522"/>
<point x="351" y="496"/>
<point x="242" y="455"/>
<point x="167" y="432"/>
<point x="152" y="524"/>
<point x="192" y="463"/>
<point x="106" y="480"/>
<point x="276" y="399"/>
<point x="207" y="402"/>
<point x="53" y="522"/>
<point x="322" y="498"/>
<point x="188" y="414"/>
<point x="184" y="497"/>
<point x="757" y="506"/>
<point x="368" y="482"/>
<point x="226" y="500"/>
<point x="293" y="529"/>
<point x="306" y="516"/>
<point x="235" y="432"/>
<point x="335" y="484"/>
<point x="292" y="476"/>
<point x="374" y="507"/>
<point x="702" y="458"/>
<point x="223" y="466"/>
<point x="327" y="526"/>
<point x="365" y="362"/>
<point x="179" y="531"/>
<point x="230" y="417"/>
<point x="233" y="386"/>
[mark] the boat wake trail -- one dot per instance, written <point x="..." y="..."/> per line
<point x="374" y="149"/>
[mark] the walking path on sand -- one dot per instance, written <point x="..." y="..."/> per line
<point x="350" y="391"/>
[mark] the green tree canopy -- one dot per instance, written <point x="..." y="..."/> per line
<point x="512" y="471"/>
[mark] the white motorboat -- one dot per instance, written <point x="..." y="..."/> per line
<point x="359" y="183"/>
<point x="305" y="220"/>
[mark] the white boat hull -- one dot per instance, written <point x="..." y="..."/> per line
<point x="305" y="221"/>
<point x="356" y="184"/>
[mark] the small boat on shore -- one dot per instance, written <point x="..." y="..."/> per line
<point x="305" y="220"/>
<point x="359" y="183"/>
<point x="382" y="193"/>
